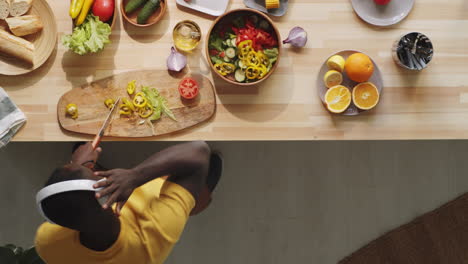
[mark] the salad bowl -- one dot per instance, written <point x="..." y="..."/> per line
<point x="243" y="47"/>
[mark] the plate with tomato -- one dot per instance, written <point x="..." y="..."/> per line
<point x="243" y="47"/>
<point x="382" y="12"/>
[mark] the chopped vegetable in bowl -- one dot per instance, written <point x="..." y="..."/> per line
<point x="244" y="48"/>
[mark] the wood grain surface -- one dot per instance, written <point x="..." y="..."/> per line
<point x="90" y="98"/>
<point x="432" y="104"/>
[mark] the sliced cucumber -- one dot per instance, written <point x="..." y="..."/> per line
<point x="230" y="52"/>
<point x="254" y="19"/>
<point x="233" y="42"/>
<point x="264" y="24"/>
<point x="242" y="65"/>
<point x="239" y="75"/>
<point x="226" y="59"/>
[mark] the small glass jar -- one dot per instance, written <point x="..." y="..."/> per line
<point x="186" y="35"/>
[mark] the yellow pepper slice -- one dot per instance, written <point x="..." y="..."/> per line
<point x="252" y="59"/>
<point x="126" y="104"/>
<point x="131" y="86"/>
<point x="228" y="67"/>
<point x="140" y="100"/>
<point x="146" y="111"/>
<point x="245" y="43"/>
<point x="72" y="110"/>
<point x="220" y="69"/>
<point x="109" y="103"/>
<point x="252" y="72"/>
<point x="262" y="71"/>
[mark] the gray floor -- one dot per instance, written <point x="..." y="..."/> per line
<point x="296" y="202"/>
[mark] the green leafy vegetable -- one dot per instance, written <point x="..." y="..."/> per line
<point x="271" y="53"/>
<point x="216" y="43"/>
<point x="91" y="36"/>
<point x="216" y="59"/>
<point x="158" y="102"/>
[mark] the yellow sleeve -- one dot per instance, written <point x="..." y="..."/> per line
<point x="171" y="210"/>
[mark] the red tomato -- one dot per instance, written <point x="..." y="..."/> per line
<point x="188" y="88"/>
<point x="104" y="9"/>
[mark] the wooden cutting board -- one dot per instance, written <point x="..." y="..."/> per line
<point x="92" y="112"/>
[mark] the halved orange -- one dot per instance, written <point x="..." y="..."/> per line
<point x="365" y="96"/>
<point x="338" y="99"/>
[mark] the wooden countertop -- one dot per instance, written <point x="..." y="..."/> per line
<point x="432" y="104"/>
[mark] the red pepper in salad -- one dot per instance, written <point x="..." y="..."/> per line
<point x="260" y="38"/>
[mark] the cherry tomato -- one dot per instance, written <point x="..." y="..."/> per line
<point x="188" y="88"/>
<point x="104" y="9"/>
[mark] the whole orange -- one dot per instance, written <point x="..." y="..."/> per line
<point x="359" y="67"/>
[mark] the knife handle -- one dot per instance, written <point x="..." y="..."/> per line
<point x="96" y="141"/>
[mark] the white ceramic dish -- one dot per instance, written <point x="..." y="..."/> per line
<point x="260" y="6"/>
<point x="210" y="7"/>
<point x="382" y="15"/>
<point x="376" y="79"/>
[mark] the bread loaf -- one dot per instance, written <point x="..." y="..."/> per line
<point x="4" y="8"/>
<point x="24" y="25"/>
<point x="16" y="46"/>
<point x="19" y="7"/>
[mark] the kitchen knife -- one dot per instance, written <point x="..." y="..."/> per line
<point x="106" y="123"/>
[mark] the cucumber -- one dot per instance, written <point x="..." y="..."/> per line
<point x="230" y="53"/>
<point x="148" y="9"/>
<point x="254" y="19"/>
<point x="242" y="65"/>
<point x="227" y="59"/>
<point x="264" y="24"/>
<point x="239" y="75"/>
<point x="233" y="42"/>
<point x="132" y="5"/>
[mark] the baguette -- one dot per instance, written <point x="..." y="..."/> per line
<point x="17" y="47"/>
<point x="19" y="7"/>
<point x="4" y="8"/>
<point x="24" y="25"/>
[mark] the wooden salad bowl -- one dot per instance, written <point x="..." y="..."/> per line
<point x="227" y="16"/>
<point x="153" y="19"/>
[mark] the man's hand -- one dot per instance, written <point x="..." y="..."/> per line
<point x="85" y="155"/>
<point x="119" y="185"/>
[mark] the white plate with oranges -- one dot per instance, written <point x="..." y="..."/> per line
<point x="349" y="83"/>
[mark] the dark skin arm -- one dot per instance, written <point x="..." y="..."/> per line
<point x="187" y="164"/>
<point x="85" y="155"/>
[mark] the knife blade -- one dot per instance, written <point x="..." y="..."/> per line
<point x="106" y="123"/>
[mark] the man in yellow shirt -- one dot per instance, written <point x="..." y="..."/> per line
<point x="155" y="212"/>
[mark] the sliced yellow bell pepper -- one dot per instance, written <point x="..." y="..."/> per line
<point x="228" y="67"/>
<point x="126" y="105"/>
<point x="262" y="71"/>
<point x="146" y="111"/>
<point x="109" y="103"/>
<point x="72" y="110"/>
<point x="131" y="86"/>
<point x="252" y="59"/>
<point x="140" y="100"/>
<point x="252" y="72"/>
<point x="220" y="69"/>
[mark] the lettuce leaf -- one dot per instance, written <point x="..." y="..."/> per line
<point x="89" y="37"/>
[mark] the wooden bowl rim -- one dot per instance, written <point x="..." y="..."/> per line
<point x="235" y="11"/>
<point x="163" y="7"/>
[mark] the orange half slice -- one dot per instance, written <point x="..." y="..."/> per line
<point x="338" y="99"/>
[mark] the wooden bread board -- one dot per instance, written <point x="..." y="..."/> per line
<point x="90" y="98"/>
